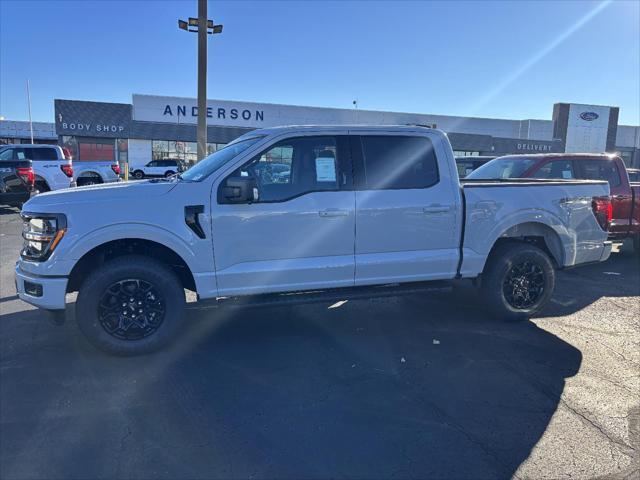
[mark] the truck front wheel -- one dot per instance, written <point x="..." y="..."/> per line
<point x="130" y="305"/>
<point x="518" y="280"/>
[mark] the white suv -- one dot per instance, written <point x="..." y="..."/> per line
<point x="52" y="170"/>
<point x="157" y="168"/>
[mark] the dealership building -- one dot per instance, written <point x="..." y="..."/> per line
<point x="158" y="127"/>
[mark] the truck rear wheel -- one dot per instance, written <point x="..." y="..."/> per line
<point x="130" y="305"/>
<point x="518" y="280"/>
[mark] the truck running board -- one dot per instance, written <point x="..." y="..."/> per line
<point x="325" y="296"/>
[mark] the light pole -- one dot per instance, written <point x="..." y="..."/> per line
<point x="202" y="27"/>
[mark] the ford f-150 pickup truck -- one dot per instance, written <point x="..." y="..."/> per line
<point x="52" y="171"/>
<point x="16" y="181"/>
<point x="625" y="196"/>
<point x="362" y="211"/>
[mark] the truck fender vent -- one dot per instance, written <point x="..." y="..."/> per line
<point x="191" y="213"/>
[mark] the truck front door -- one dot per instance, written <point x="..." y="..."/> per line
<point x="299" y="234"/>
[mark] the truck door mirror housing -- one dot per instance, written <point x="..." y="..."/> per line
<point x="238" y="190"/>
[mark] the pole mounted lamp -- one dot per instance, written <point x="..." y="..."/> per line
<point x="203" y="27"/>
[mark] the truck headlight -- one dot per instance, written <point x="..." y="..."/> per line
<point x="42" y="233"/>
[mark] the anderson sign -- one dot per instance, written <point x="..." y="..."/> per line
<point x="218" y="113"/>
<point x="151" y="108"/>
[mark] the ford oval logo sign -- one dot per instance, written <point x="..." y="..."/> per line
<point x="589" y="116"/>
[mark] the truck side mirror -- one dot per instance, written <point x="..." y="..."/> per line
<point x="238" y="190"/>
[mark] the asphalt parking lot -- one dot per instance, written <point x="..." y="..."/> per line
<point x="403" y="387"/>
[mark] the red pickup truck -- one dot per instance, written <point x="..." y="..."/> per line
<point x="625" y="195"/>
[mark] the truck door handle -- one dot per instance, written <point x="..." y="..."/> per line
<point x="436" y="209"/>
<point x="333" y="212"/>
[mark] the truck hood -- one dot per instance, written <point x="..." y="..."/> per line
<point x="104" y="193"/>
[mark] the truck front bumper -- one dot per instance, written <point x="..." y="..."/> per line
<point x="44" y="292"/>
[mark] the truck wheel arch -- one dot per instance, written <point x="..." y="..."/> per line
<point x="112" y="249"/>
<point x="43" y="182"/>
<point x="539" y="234"/>
<point x="95" y="176"/>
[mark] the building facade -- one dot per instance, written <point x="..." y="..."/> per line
<point x="157" y="127"/>
<point x="20" y="132"/>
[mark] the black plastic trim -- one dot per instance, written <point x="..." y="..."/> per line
<point x="522" y="182"/>
<point x="191" y="213"/>
<point x="462" y="232"/>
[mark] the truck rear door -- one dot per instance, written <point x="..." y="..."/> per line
<point x="407" y="225"/>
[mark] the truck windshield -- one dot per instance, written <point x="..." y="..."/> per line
<point x="213" y="162"/>
<point x="506" y="167"/>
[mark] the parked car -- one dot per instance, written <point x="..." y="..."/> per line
<point x="158" y="168"/>
<point x="94" y="172"/>
<point x="367" y="211"/>
<point x="634" y="175"/>
<point x="52" y="170"/>
<point x="466" y="165"/>
<point x="16" y="180"/>
<point x="625" y="197"/>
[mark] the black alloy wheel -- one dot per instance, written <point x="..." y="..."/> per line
<point x="524" y="285"/>
<point x="131" y="309"/>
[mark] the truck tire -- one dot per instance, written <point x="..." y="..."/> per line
<point x="168" y="173"/>
<point x="138" y="174"/>
<point x="41" y="186"/>
<point x="517" y="281"/>
<point x="130" y="305"/>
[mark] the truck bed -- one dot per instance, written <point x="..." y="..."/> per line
<point x="558" y="210"/>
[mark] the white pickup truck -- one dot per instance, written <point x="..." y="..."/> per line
<point x="361" y="211"/>
<point x="52" y="170"/>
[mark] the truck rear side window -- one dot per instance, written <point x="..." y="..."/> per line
<point x="600" y="170"/>
<point x="398" y="162"/>
<point x="42" y="153"/>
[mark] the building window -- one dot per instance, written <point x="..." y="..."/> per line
<point x="185" y="153"/>
<point x="465" y="153"/>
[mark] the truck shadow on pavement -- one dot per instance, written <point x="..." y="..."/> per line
<point x="395" y="387"/>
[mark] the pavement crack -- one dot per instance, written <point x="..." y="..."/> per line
<point x="626" y="449"/>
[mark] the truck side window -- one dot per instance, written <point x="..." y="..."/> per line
<point x="43" y="154"/>
<point x="6" y="154"/>
<point x="600" y="170"/>
<point x="22" y="153"/>
<point x="398" y="162"/>
<point x="562" y="169"/>
<point x="294" y="167"/>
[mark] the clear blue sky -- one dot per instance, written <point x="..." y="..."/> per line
<point x="493" y="59"/>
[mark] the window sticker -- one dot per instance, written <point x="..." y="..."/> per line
<point x="566" y="174"/>
<point x="325" y="169"/>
